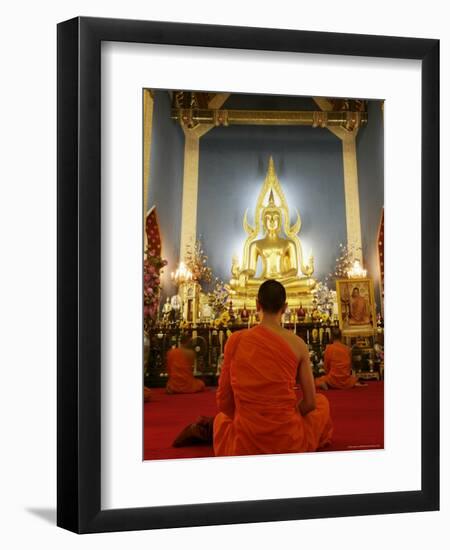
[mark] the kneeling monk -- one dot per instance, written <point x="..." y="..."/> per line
<point x="180" y="362"/>
<point x="337" y="365"/>
<point x="259" y="409"/>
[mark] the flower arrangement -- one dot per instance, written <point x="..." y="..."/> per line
<point x="217" y="298"/>
<point x="325" y="317"/>
<point x="196" y="261"/>
<point x="223" y="320"/>
<point x="320" y="317"/>
<point x="153" y="263"/>
<point x="323" y="300"/>
<point x="344" y="262"/>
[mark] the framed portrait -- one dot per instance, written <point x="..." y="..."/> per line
<point x="356" y="305"/>
<point x="182" y="165"/>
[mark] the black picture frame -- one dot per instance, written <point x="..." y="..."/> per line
<point x="79" y="280"/>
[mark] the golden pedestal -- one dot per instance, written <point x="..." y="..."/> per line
<point x="248" y="298"/>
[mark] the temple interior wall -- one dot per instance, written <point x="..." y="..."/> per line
<point x="166" y="182"/>
<point x="232" y="167"/>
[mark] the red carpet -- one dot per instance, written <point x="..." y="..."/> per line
<point x="358" y="416"/>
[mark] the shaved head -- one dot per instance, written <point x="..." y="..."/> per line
<point x="271" y="296"/>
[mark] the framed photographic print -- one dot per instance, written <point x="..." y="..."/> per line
<point x="356" y="304"/>
<point x="228" y="210"/>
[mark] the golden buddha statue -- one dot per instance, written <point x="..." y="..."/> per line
<point x="277" y="254"/>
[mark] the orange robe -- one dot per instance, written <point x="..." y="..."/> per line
<point x="337" y="365"/>
<point x="179" y="368"/>
<point x="359" y="310"/>
<point x="258" y="402"/>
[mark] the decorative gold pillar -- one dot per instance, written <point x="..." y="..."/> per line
<point x="190" y="190"/>
<point x="147" y="131"/>
<point x="352" y="210"/>
<point x="190" y="177"/>
<point x="351" y="189"/>
<point x="148" y="124"/>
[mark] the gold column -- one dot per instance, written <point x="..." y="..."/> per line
<point x="147" y="131"/>
<point x="190" y="177"/>
<point x="190" y="190"/>
<point x="351" y="188"/>
<point x="352" y="210"/>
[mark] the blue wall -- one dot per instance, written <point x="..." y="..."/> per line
<point x="166" y="182"/>
<point x="370" y="154"/>
<point x="233" y="165"/>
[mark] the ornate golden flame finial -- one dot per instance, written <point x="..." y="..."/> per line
<point x="271" y="168"/>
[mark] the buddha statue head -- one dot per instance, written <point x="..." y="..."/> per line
<point x="272" y="216"/>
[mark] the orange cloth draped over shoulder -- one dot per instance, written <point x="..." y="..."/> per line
<point x="337" y="365"/>
<point x="179" y="369"/>
<point x="257" y="400"/>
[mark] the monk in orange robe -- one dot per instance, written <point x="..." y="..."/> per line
<point x="180" y="362"/>
<point x="359" y="309"/>
<point x="337" y="365"/>
<point x="259" y="409"/>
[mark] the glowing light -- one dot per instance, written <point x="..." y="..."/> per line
<point x="236" y="258"/>
<point x="181" y="275"/>
<point x="357" y="271"/>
